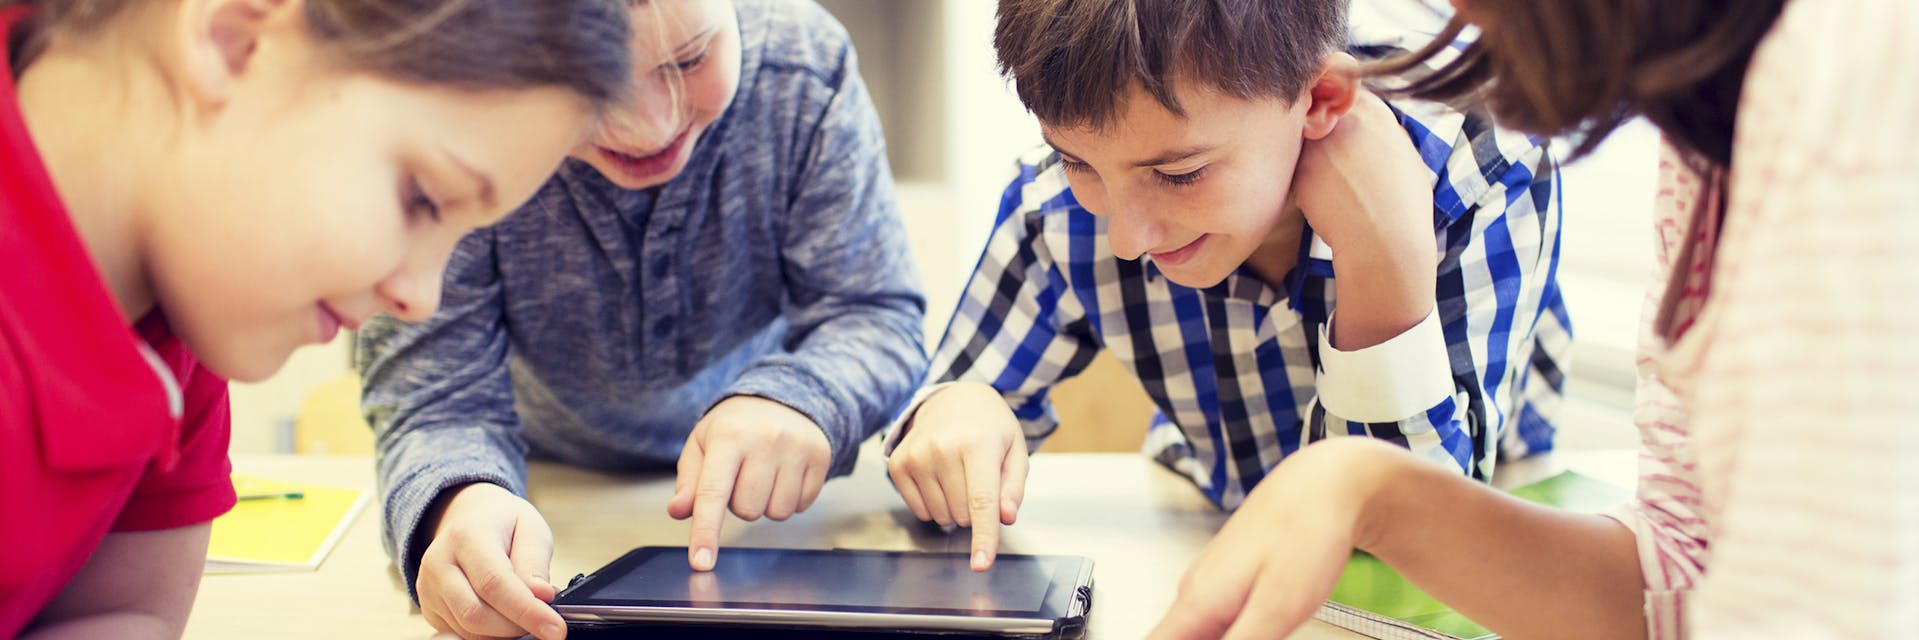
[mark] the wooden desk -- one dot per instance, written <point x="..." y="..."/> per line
<point x="1139" y="523"/>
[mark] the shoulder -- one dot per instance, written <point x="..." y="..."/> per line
<point x="1038" y="190"/>
<point x="1467" y="151"/>
<point x="1838" y="82"/>
<point x="784" y="36"/>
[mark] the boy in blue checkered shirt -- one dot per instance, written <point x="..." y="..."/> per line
<point x="1276" y="253"/>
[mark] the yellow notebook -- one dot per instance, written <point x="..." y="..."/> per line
<point x="280" y="526"/>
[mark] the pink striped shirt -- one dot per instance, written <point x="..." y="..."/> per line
<point x="1779" y="475"/>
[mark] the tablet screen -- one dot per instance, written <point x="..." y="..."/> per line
<point x="829" y="580"/>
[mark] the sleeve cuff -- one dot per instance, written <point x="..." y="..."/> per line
<point x="1387" y="382"/>
<point x="408" y="502"/>
<point x="1664" y="603"/>
<point x="894" y="432"/>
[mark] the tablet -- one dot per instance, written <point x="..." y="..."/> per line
<point x="1021" y="596"/>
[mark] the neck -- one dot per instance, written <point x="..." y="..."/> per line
<point x="80" y="111"/>
<point x="1277" y="254"/>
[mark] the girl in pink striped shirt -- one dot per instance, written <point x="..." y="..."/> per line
<point x="1779" y="477"/>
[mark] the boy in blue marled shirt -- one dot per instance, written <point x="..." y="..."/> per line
<point x="719" y="277"/>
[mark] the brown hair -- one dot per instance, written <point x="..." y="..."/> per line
<point x="1072" y="61"/>
<point x="1588" y="66"/>
<point x="579" y="45"/>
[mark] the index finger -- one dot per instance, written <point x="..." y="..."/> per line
<point x="982" y="469"/>
<point x="710" y="496"/>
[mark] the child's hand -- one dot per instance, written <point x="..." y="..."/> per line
<point x="759" y="456"/>
<point x="1279" y="556"/>
<point x="963" y="462"/>
<point x="1363" y="185"/>
<point x="484" y="575"/>
<point x="1367" y="194"/>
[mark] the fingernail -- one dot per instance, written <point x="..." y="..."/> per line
<point x="979" y="560"/>
<point x="552" y="631"/>
<point x="703" y="559"/>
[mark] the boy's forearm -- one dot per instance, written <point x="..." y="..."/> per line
<point x="1522" y="569"/>
<point x="1382" y="292"/>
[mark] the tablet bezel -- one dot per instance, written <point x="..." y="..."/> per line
<point x="1066" y="599"/>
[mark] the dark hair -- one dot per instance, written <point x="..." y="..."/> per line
<point x="1587" y="66"/>
<point x="1072" y="61"/>
<point x="579" y="45"/>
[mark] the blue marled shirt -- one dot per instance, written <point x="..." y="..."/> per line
<point x="596" y="325"/>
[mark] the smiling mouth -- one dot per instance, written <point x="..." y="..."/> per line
<point x="1180" y="255"/>
<point x="671" y="144"/>
<point x="655" y="163"/>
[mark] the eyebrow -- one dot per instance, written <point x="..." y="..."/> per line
<point x="685" y="47"/>
<point x="487" y="195"/>
<point x="1175" y="155"/>
<point x="1168" y="157"/>
<point x="1062" y="150"/>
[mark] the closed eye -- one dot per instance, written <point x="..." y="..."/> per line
<point x="691" y="63"/>
<point x="1180" y="179"/>
<point x="1074" y="166"/>
<point x="417" y="204"/>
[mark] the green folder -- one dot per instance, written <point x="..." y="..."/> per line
<point x="1374" y="600"/>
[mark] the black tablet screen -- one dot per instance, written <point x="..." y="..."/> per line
<point x="804" y="578"/>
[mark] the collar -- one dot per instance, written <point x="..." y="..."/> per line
<point x="99" y="393"/>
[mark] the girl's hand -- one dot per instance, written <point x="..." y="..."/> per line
<point x="755" y="455"/>
<point x="1279" y="556"/>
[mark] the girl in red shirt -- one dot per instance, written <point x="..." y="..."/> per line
<point x="191" y="190"/>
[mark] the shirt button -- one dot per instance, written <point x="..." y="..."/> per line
<point x="661" y="265"/>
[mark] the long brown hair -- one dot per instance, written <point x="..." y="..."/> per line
<point x="1587" y="66"/>
<point x="579" y="45"/>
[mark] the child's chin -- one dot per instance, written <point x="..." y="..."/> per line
<point x="1194" y="279"/>
<point x="243" y="363"/>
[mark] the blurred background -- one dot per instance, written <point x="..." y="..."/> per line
<point x="953" y="128"/>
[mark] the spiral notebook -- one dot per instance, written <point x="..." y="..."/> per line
<point x="1372" y="599"/>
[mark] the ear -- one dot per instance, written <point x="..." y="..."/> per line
<point x="1330" y="94"/>
<point x="218" y="38"/>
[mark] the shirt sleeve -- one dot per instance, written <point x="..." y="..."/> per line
<point x="199" y="485"/>
<point x="1803" y="401"/>
<point x="1445" y="387"/>
<point x="440" y="400"/>
<point x="855" y="309"/>
<point x="1017" y="326"/>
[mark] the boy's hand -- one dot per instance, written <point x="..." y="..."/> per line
<point x="1367" y="194"/>
<point x="756" y="455"/>
<point x="963" y="462"/>
<point x="484" y="575"/>
<point x="1279" y="556"/>
<point x="1363" y="184"/>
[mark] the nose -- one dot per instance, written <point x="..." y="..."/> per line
<point x="412" y="293"/>
<point x="1130" y="229"/>
<point x="649" y="119"/>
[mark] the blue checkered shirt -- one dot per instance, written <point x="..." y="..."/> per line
<point x="1233" y="369"/>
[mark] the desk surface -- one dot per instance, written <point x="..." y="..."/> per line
<point x="1138" y="522"/>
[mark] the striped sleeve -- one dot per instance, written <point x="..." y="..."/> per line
<point x="1494" y="291"/>
<point x="1018" y="327"/>
<point x="1804" y="400"/>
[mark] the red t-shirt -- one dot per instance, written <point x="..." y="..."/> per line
<point x="103" y="427"/>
